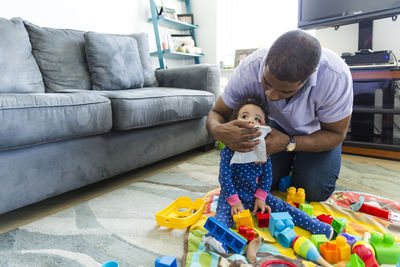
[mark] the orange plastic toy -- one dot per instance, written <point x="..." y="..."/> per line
<point x="181" y="213"/>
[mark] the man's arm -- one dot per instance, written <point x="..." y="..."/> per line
<point x="330" y="136"/>
<point x="234" y="134"/>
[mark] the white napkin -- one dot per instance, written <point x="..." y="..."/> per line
<point x="257" y="155"/>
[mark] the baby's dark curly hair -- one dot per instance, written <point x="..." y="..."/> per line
<point x="254" y="101"/>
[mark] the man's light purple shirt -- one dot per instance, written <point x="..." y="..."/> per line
<point x="327" y="96"/>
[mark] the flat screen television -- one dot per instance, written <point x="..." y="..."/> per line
<point x="314" y="14"/>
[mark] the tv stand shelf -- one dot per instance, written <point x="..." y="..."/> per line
<point x="375" y="122"/>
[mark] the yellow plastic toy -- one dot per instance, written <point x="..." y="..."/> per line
<point x="297" y="196"/>
<point x="244" y="218"/>
<point x="181" y="213"/>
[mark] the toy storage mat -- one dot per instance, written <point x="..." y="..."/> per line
<point x="196" y="253"/>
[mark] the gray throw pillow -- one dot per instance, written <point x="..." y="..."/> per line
<point x="19" y="72"/>
<point x="149" y="74"/>
<point x="60" y="54"/>
<point x="114" y="61"/>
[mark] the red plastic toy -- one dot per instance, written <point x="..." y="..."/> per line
<point x="325" y="218"/>
<point x="247" y="233"/>
<point x="262" y="219"/>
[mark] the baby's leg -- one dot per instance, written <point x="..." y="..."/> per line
<point x="223" y="214"/>
<point x="300" y="218"/>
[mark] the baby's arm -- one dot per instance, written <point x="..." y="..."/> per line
<point x="263" y="187"/>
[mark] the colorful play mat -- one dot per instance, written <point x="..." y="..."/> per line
<point x="197" y="254"/>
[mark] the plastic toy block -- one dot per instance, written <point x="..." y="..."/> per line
<point x="278" y="221"/>
<point x="338" y="225"/>
<point x="181" y="213"/>
<point x="386" y="250"/>
<point x="307" y="208"/>
<point x="317" y="240"/>
<point x="330" y="252"/>
<point x="350" y="239"/>
<point x="286" y="237"/>
<point x="225" y="235"/>
<point x="244" y="218"/>
<point x="291" y="203"/>
<point x="344" y="248"/>
<point x="110" y="264"/>
<point x="165" y="261"/>
<point x="284" y="183"/>
<point x="247" y="233"/>
<point x="355" y="261"/>
<point x="297" y="196"/>
<point x="220" y="145"/>
<point x="262" y="219"/>
<point x="325" y="218"/>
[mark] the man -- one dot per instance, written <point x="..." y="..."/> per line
<point x="309" y="94"/>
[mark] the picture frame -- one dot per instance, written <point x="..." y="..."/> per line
<point x="186" y="18"/>
<point x="241" y="54"/>
<point x="169" y="13"/>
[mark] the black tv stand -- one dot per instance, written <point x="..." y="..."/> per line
<point x="374" y="127"/>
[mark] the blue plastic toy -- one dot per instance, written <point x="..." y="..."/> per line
<point x="285" y="183"/>
<point x="110" y="264"/>
<point x="225" y="235"/>
<point x="285" y="237"/>
<point x="165" y="261"/>
<point x="278" y="221"/>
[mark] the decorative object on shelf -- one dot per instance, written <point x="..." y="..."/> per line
<point x="169" y="13"/>
<point x="184" y="43"/>
<point x="186" y="18"/>
<point x="168" y="19"/>
<point x="241" y="54"/>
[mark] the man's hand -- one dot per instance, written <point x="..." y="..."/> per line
<point x="262" y="206"/>
<point x="235" y="209"/>
<point x="276" y="141"/>
<point x="237" y="135"/>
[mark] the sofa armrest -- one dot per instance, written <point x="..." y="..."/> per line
<point x="199" y="77"/>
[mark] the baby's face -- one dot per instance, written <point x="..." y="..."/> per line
<point x="251" y="113"/>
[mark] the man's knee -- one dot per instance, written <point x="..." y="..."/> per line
<point x="317" y="188"/>
<point x="319" y="194"/>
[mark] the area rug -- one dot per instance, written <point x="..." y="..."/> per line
<point x="121" y="226"/>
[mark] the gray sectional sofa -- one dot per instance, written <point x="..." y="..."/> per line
<point x="57" y="133"/>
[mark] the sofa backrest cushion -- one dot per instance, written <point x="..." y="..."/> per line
<point x="61" y="57"/>
<point x="114" y="61"/>
<point x="149" y="75"/>
<point x="19" y="72"/>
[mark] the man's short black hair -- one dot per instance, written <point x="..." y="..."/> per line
<point x="294" y="56"/>
<point x="253" y="101"/>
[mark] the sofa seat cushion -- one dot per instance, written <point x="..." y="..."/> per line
<point x="151" y="106"/>
<point x="29" y="119"/>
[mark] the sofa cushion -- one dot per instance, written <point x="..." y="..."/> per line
<point x="145" y="107"/>
<point x="19" y="72"/>
<point x="39" y="118"/>
<point x="149" y="77"/>
<point x="61" y="57"/>
<point x="114" y="61"/>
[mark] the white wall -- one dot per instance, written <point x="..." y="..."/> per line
<point x="118" y="16"/>
<point x="245" y="24"/>
<point x="385" y="37"/>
